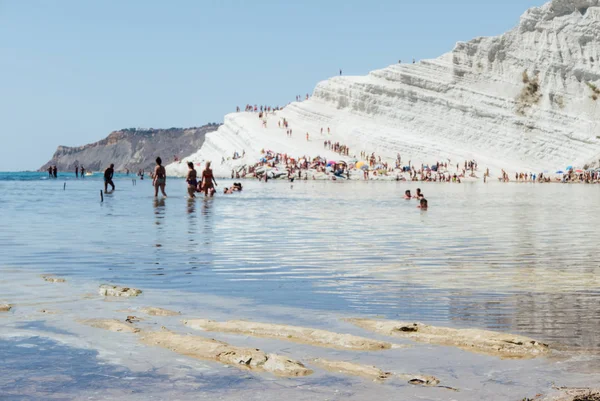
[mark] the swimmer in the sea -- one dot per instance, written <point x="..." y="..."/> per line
<point x="422" y="204"/>
<point x="419" y="194"/>
<point x="192" y="180"/>
<point x="407" y="194"/>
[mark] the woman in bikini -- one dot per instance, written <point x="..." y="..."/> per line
<point x="160" y="178"/>
<point x="192" y="180"/>
<point x="208" y="181"/>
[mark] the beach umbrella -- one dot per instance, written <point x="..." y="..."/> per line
<point x="579" y="171"/>
<point x="560" y="172"/>
<point x="569" y="168"/>
<point x="360" y="164"/>
<point x="364" y="167"/>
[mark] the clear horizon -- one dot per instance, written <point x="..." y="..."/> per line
<point x="73" y="72"/>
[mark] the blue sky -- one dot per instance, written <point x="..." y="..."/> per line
<point x="72" y="71"/>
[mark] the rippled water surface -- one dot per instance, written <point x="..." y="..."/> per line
<point x="515" y="257"/>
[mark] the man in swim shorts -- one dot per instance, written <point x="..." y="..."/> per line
<point x="108" y="176"/>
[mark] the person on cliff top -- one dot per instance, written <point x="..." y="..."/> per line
<point x="108" y="176"/>
<point x="192" y="180"/>
<point x="160" y="178"/>
<point x="208" y="181"/>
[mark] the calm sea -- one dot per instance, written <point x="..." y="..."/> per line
<point x="513" y="257"/>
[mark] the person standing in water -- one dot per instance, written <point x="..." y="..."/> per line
<point x="82" y="172"/>
<point x="76" y="171"/>
<point x="50" y="172"/>
<point x="160" y="178"/>
<point x="192" y="180"/>
<point x="208" y="180"/>
<point x="108" y="176"/>
<point x="55" y="171"/>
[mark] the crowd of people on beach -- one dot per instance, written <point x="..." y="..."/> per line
<point x="275" y="165"/>
<point x="259" y="109"/>
<point x="336" y="147"/>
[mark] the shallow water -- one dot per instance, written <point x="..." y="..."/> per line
<point x="518" y="258"/>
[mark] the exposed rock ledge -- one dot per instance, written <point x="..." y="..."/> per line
<point x="507" y="346"/>
<point x="303" y="335"/>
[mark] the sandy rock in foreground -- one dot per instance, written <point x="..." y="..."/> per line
<point x="52" y="279"/>
<point x="116" y="291"/>
<point x="158" y="311"/>
<point x="354" y="369"/>
<point x="5" y="307"/>
<point x="373" y="373"/>
<point x="419" y="380"/>
<point x="503" y="345"/>
<point x="207" y="349"/>
<point x="566" y="394"/>
<point x="110" y="325"/>
<point x="320" y="338"/>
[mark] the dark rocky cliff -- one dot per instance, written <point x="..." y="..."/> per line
<point x="132" y="149"/>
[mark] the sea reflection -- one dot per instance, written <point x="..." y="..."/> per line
<point x="491" y="256"/>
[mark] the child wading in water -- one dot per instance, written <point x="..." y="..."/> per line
<point x="160" y="178"/>
<point x="192" y="180"/>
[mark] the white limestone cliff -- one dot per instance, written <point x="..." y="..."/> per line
<point x="527" y="100"/>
